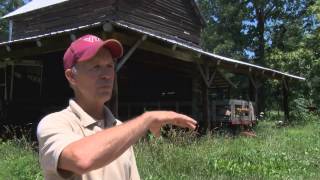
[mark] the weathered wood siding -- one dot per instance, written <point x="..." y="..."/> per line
<point x="62" y="16"/>
<point x="165" y="17"/>
<point x="174" y="17"/>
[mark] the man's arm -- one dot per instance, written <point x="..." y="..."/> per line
<point x="102" y="148"/>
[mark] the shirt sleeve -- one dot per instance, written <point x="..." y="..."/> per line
<point x="134" y="170"/>
<point x="54" y="134"/>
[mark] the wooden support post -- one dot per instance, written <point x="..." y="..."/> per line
<point x="204" y="77"/>
<point x="195" y="97"/>
<point x="114" y="101"/>
<point x="41" y="79"/>
<point x="130" y="52"/>
<point x="206" y="113"/>
<point x="256" y="99"/>
<point x="11" y="81"/>
<point x="116" y="95"/>
<point x="5" y="83"/>
<point x="285" y="102"/>
<point x="206" y="103"/>
<point x="212" y="77"/>
<point x="214" y="112"/>
<point x="256" y="94"/>
<point x="207" y="81"/>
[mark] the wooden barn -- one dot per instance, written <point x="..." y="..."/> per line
<point x="163" y="67"/>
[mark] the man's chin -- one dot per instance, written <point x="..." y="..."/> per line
<point x="105" y="96"/>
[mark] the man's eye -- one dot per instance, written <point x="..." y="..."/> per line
<point x="96" y="67"/>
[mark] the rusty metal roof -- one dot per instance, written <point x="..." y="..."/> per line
<point x="33" y="5"/>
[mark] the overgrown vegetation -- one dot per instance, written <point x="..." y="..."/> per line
<point x="276" y="153"/>
<point x="18" y="160"/>
<point x="290" y="152"/>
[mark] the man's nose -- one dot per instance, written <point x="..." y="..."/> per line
<point x="107" y="73"/>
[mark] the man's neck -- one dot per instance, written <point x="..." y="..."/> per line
<point x="94" y="109"/>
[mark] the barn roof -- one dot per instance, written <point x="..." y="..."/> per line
<point x="203" y="52"/>
<point x="32" y="6"/>
<point x="163" y="38"/>
<point x="39" y="4"/>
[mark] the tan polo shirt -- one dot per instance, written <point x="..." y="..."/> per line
<point x="58" y="130"/>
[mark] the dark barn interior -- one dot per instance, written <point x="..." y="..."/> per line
<point x="153" y="82"/>
<point x="146" y="82"/>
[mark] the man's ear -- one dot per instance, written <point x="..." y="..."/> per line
<point x="70" y="76"/>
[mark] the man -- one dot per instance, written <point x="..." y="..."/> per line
<point x="85" y="141"/>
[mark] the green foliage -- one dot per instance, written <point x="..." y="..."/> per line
<point x="283" y="35"/>
<point x="235" y="28"/>
<point x="284" y="153"/>
<point x="223" y="32"/>
<point x="315" y="9"/>
<point x="300" y="62"/>
<point x="18" y="160"/>
<point x="7" y="6"/>
<point x="290" y="152"/>
<point x="274" y="116"/>
<point x="303" y="61"/>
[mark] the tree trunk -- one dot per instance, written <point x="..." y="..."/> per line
<point x="260" y="53"/>
<point x="285" y="102"/>
<point x="260" y="30"/>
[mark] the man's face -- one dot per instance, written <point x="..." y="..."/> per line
<point x="94" y="78"/>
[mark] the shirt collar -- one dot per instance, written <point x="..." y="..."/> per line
<point x="86" y="120"/>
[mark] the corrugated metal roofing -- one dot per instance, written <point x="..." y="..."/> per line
<point x="165" y="39"/>
<point x="202" y="52"/>
<point x="50" y="34"/>
<point x="33" y="5"/>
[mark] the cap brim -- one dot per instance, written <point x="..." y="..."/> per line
<point x="115" y="48"/>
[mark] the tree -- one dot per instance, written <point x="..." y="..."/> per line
<point x="298" y="53"/>
<point x="7" y="6"/>
<point x="223" y="34"/>
<point x="246" y="29"/>
<point x="279" y="34"/>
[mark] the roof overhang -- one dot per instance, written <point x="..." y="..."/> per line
<point x="170" y="41"/>
<point x="201" y="52"/>
<point x="32" y="6"/>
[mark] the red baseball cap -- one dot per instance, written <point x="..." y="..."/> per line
<point x="87" y="46"/>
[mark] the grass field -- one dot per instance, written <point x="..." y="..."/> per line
<point x="18" y="161"/>
<point x="276" y="153"/>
